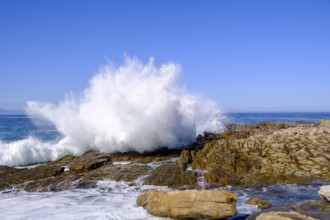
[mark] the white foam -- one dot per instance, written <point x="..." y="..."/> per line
<point x="110" y="200"/>
<point x="33" y="151"/>
<point x="136" y="106"/>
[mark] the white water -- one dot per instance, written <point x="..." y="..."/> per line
<point x="136" y="106"/>
<point x="110" y="200"/>
<point x="117" y="200"/>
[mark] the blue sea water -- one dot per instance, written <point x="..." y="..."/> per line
<point x="282" y="117"/>
<point x="18" y="127"/>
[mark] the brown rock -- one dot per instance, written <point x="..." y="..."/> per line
<point x="259" y="202"/>
<point x="189" y="204"/>
<point x="312" y="206"/>
<point x="272" y="153"/>
<point x="170" y="174"/>
<point x="283" y="216"/>
<point x="89" y="161"/>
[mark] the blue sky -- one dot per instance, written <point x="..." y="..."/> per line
<point x="247" y="55"/>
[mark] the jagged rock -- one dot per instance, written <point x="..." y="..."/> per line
<point x="259" y="202"/>
<point x="283" y="216"/>
<point x="24" y="175"/>
<point x="170" y="174"/>
<point x="271" y="153"/>
<point x="189" y="204"/>
<point x="5" y="186"/>
<point x="161" y="154"/>
<point x="89" y="161"/>
<point x="324" y="192"/>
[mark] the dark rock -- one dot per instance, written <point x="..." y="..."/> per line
<point x="312" y="206"/>
<point x="5" y="186"/>
<point x="86" y="184"/>
<point x="89" y="161"/>
<point x="147" y="157"/>
<point x="55" y="188"/>
<point x="170" y="174"/>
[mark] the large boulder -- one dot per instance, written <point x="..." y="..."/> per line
<point x="270" y="154"/>
<point x="189" y="204"/>
<point x="325" y="192"/>
<point x="283" y="216"/>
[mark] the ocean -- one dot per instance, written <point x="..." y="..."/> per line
<point x="110" y="199"/>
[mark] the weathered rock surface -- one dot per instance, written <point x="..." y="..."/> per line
<point x="170" y="174"/>
<point x="312" y="206"/>
<point x="283" y="216"/>
<point x="264" y="154"/>
<point x="259" y="202"/>
<point x="189" y="204"/>
<point x="325" y="192"/>
<point x="71" y="172"/>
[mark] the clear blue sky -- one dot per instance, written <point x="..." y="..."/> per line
<point x="248" y="55"/>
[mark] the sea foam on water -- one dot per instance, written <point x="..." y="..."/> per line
<point x="136" y="106"/>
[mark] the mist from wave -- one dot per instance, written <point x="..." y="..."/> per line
<point x="133" y="107"/>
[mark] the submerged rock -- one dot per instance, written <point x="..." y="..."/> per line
<point x="189" y="204"/>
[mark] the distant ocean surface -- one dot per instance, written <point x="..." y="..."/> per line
<point x="289" y="117"/>
<point x="117" y="200"/>
<point x="17" y="127"/>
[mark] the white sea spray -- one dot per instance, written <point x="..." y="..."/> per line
<point x="135" y="106"/>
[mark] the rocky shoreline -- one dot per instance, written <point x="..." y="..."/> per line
<point x="242" y="156"/>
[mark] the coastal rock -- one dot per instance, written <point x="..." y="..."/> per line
<point x="265" y="154"/>
<point x="283" y="216"/>
<point x="259" y="202"/>
<point x="312" y="206"/>
<point x="170" y="174"/>
<point x="24" y="175"/>
<point x="325" y="124"/>
<point x="325" y="192"/>
<point x="189" y="204"/>
<point x="89" y="161"/>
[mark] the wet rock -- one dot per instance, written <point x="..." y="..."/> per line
<point x="324" y="192"/>
<point x="259" y="202"/>
<point x="128" y="172"/>
<point x="55" y="188"/>
<point x="283" y="216"/>
<point x="185" y="158"/>
<point x="312" y="206"/>
<point x="170" y="174"/>
<point x="5" y="186"/>
<point x="24" y="175"/>
<point x="89" y="161"/>
<point x="85" y="184"/>
<point x="162" y="154"/>
<point x="189" y="204"/>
